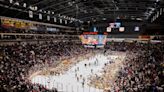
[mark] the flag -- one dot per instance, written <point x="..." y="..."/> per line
<point x="40" y="16"/>
<point x="30" y="14"/>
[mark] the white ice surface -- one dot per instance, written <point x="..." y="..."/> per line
<point x="68" y="82"/>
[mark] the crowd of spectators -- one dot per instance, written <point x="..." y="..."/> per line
<point x="38" y="37"/>
<point x="143" y="69"/>
<point x="17" y="59"/>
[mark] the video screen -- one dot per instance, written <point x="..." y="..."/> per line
<point x="93" y="39"/>
<point x="115" y="25"/>
<point x="136" y="28"/>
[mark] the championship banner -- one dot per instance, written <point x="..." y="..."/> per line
<point x="7" y="22"/>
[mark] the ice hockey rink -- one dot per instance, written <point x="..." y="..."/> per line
<point x="76" y="78"/>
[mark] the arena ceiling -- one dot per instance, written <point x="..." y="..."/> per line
<point x="86" y="10"/>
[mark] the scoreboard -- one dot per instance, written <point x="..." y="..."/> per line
<point x="93" y="39"/>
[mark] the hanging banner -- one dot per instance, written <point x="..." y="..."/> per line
<point x="30" y="14"/>
<point x="7" y="22"/>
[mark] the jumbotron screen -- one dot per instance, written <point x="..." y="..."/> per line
<point x="93" y="39"/>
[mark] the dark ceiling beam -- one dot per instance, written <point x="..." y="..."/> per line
<point x="11" y="5"/>
<point x="109" y="10"/>
<point x="95" y="8"/>
<point x="68" y="11"/>
<point x="69" y="8"/>
<point x="90" y="7"/>
<point x="109" y="15"/>
<point x="135" y="7"/>
<point x="58" y="9"/>
<point x="82" y="6"/>
<point x="54" y="4"/>
<point x="132" y="3"/>
<point x="125" y="11"/>
<point x="85" y="6"/>
<point x="42" y="1"/>
<point x="65" y="7"/>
